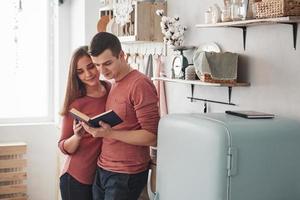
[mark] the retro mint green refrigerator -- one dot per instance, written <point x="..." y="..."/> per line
<point x="223" y="157"/>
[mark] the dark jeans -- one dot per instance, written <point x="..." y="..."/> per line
<point x="117" y="186"/>
<point x="71" y="189"/>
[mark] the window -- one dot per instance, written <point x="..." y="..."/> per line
<point x="26" y="60"/>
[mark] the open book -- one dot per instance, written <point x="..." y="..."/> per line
<point x="109" y="117"/>
<point x="250" y="114"/>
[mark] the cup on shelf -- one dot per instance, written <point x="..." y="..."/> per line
<point x="225" y="15"/>
<point x="208" y="16"/>
<point x="225" y="12"/>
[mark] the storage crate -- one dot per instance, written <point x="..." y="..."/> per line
<point x="12" y="171"/>
<point x="277" y="8"/>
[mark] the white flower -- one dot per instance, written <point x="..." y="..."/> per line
<point x="164" y="19"/>
<point x="160" y="12"/>
<point x="170" y="42"/>
<point x="172" y="30"/>
<point x="168" y="34"/>
<point x="172" y="21"/>
<point x="176" y="35"/>
<point x="181" y="31"/>
<point x="177" y="43"/>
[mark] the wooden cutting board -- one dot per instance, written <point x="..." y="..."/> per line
<point x="102" y="23"/>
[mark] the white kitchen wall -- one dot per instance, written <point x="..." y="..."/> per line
<point x="41" y="140"/>
<point x="269" y="63"/>
<point x="91" y="19"/>
<point x="77" y="23"/>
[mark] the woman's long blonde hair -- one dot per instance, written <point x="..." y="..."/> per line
<point x="75" y="88"/>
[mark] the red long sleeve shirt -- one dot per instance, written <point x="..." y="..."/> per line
<point x="134" y="99"/>
<point x="83" y="162"/>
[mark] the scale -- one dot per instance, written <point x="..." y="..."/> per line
<point x="180" y="62"/>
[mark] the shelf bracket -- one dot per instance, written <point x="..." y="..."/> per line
<point x="211" y="101"/>
<point x="244" y="28"/>
<point x="295" y="30"/>
<point x="192" y="98"/>
<point x="192" y="91"/>
<point x="229" y="94"/>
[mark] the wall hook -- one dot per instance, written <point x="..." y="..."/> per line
<point x="205" y="107"/>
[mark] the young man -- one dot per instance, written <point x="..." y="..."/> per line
<point x="123" y="164"/>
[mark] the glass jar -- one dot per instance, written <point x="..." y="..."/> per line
<point x="243" y="9"/>
<point x="235" y="10"/>
<point x="208" y="16"/>
<point x="225" y="12"/>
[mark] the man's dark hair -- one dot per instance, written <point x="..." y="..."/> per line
<point x="103" y="41"/>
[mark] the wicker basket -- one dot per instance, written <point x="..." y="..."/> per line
<point x="277" y="8"/>
<point x="207" y="78"/>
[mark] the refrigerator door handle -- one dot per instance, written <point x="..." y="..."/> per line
<point x="232" y="161"/>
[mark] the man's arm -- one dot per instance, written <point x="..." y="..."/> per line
<point x="135" y="137"/>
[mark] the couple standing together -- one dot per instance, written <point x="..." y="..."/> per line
<point x="107" y="163"/>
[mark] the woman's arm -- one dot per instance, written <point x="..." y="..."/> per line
<point x="71" y="135"/>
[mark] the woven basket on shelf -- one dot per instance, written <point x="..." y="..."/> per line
<point x="207" y="78"/>
<point x="277" y="8"/>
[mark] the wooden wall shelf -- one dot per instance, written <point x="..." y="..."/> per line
<point x="198" y="82"/>
<point x="243" y="24"/>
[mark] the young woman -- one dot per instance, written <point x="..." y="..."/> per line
<point x="87" y="94"/>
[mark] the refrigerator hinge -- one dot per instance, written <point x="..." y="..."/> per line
<point x="232" y="161"/>
<point x="156" y="196"/>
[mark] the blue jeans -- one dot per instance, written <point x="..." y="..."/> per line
<point x="71" y="189"/>
<point x="118" y="186"/>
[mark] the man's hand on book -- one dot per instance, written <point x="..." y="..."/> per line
<point x="103" y="131"/>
